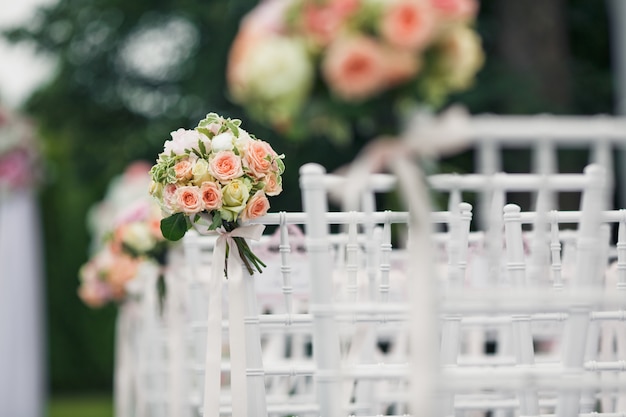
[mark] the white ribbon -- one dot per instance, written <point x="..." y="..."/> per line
<point x="236" y="314"/>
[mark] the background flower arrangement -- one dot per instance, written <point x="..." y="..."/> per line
<point x="217" y="175"/>
<point x="19" y="153"/>
<point x="125" y="227"/>
<point x="329" y="66"/>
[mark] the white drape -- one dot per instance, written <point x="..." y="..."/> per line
<point x="21" y="307"/>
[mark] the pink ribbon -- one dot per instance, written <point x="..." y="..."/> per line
<point x="236" y="313"/>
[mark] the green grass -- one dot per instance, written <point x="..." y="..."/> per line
<point x="87" y="406"/>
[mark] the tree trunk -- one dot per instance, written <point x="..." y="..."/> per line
<point x="533" y="41"/>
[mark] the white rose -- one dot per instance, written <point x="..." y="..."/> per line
<point x="243" y="140"/>
<point x="279" y="67"/>
<point x="185" y="139"/>
<point x="223" y="142"/>
<point x="462" y="56"/>
<point x="276" y="76"/>
<point x="139" y="237"/>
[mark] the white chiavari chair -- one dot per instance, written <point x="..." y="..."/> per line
<point x="362" y="270"/>
<point x="545" y="135"/>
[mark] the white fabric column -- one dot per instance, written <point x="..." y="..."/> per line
<point x="21" y="306"/>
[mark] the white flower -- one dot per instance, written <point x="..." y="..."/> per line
<point x="139" y="237"/>
<point x="278" y="67"/>
<point x="275" y="75"/>
<point x="462" y="56"/>
<point x="185" y="139"/>
<point x="242" y="141"/>
<point x="223" y="142"/>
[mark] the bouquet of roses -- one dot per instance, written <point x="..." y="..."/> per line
<point x="130" y="246"/>
<point x="126" y="230"/>
<point x="306" y="65"/>
<point x="105" y="277"/>
<point x="216" y="176"/>
<point x="18" y="152"/>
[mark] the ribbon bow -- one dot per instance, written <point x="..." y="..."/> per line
<point x="236" y="314"/>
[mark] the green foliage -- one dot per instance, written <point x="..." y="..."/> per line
<point x="175" y="226"/>
<point x="86" y="406"/>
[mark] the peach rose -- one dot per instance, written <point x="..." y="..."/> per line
<point x="115" y="245"/>
<point x="154" y="224"/>
<point x="273" y="184"/>
<point x="402" y="65"/>
<point x="355" y="68"/>
<point x="322" y="22"/>
<point x="257" y="206"/>
<point x="122" y="270"/>
<point x="225" y="165"/>
<point x="258" y="158"/>
<point x="456" y="9"/>
<point x="94" y="293"/>
<point x="188" y="199"/>
<point x="211" y="194"/>
<point x="183" y="170"/>
<point x="408" y="24"/>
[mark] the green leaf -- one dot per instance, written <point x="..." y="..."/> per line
<point x="217" y="221"/>
<point x="233" y="127"/>
<point x="281" y="166"/>
<point x="210" y="118"/>
<point x="174" y="227"/>
<point x="202" y="148"/>
<point x="205" y="131"/>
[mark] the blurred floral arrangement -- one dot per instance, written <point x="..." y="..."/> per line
<point x="125" y="227"/>
<point x="324" y="66"/>
<point x="19" y="152"/>
<point x="216" y="176"/>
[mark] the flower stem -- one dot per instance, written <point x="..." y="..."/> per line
<point x="250" y="260"/>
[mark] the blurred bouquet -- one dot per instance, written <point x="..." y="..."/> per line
<point x="19" y="154"/>
<point x="327" y="66"/>
<point x="126" y="239"/>
<point x="219" y="175"/>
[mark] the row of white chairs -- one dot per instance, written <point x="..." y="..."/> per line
<point x="350" y="319"/>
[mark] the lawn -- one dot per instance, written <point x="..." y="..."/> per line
<point x="84" y="406"/>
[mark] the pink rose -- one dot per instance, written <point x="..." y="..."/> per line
<point x="225" y="165"/>
<point x="257" y="206"/>
<point x="265" y="19"/>
<point x="456" y="9"/>
<point x="169" y="197"/>
<point x="135" y="212"/>
<point x="355" y="68"/>
<point x="15" y="168"/>
<point x="188" y="199"/>
<point x="183" y="170"/>
<point x="273" y="184"/>
<point x="137" y="169"/>
<point x="408" y="24"/>
<point x="214" y="128"/>
<point x="94" y="293"/>
<point x="258" y="157"/>
<point x="211" y="195"/>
